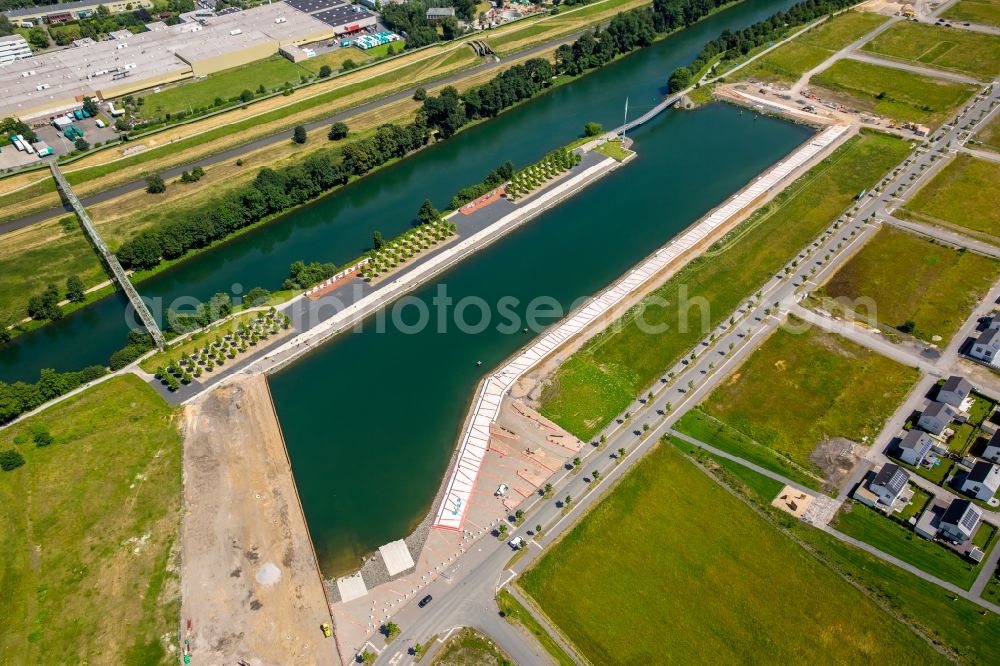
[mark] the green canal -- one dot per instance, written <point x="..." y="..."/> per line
<point x="371" y="418"/>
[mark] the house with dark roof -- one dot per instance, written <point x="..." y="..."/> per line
<point x="936" y="418"/>
<point x="438" y="14"/>
<point x="987" y="346"/>
<point x="957" y="392"/>
<point x="915" y="447"/>
<point x="982" y="481"/>
<point x="889" y="483"/>
<point x="992" y="450"/>
<point x="960" y="520"/>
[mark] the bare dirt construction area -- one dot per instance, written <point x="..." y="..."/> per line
<point x="837" y="458"/>
<point x="250" y="587"/>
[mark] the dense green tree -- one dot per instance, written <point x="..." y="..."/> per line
<point x="75" y="291"/>
<point x="246" y="95"/>
<point x="325" y="71"/>
<point x="420" y="94"/>
<point x="10" y="459"/>
<point x="592" y="129"/>
<point x="90" y="105"/>
<point x="427" y="212"/>
<point x="299" y="134"/>
<point x="338" y="131"/>
<point x="81" y="144"/>
<point x="46" y="305"/>
<point x="155" y="184"/>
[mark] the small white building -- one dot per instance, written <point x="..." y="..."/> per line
<point x="889" y="483"/>
<point x="986" y="347"/>
<point x="936" y="418"/>
<point x="982" y="481"/>
<point x="915" y="447"/>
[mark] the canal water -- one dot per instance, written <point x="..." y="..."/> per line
<point x="339" y="227"/>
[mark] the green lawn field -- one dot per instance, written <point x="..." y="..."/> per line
<point x="961" y="629"/>
<point x="272" y="72"/>
<point x="990" y="135"/>
<point x="894" y="93"/>
<point x="672" y="568"/>
<point x="875" y="529"/>
<point x="599" y="381"/>
<point x="974" y="53"/>
<point x="898" y="277"/>
<point x="335" y="59"/>
<point x="699" y="425"/>
<point x="90" y="523"/>
<point x="798" y="389"/>
<point x="962" y="194"/>
<point x="788" y="62"/>
<point x="985" y="12"/>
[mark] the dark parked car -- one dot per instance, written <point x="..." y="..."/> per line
<point x="426" y="600"/>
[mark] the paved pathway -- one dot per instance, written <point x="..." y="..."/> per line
<point x="932" y="72"/>
<point x="946" y="236"/>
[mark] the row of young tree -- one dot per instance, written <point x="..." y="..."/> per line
<point x="732" y="44"/>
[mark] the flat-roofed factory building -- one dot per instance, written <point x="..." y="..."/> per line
<point x="53" y="82"/>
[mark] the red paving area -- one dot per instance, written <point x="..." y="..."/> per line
<point x="483" y="201"/>
<point x="333" y="285"/>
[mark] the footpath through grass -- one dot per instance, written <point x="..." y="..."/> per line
<point x="602" y="378"/>
<point x="985" y="12"/>
<point x="789" y="61"/>
<point x="963" y="194"/>
<point x="711" y="431"/>
<point x="799" y="389"/>
<point x="515" y="613"/>
<point x="693" y="575"/>
<point x="894" y="93"/>
<point x="89" y="525"/>
<point x="974" y="53"/>
<point x="875" y="529"/>
<point x="900" y="277"/>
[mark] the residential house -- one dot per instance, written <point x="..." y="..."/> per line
<point x="936" y="418"/>
<point x="982" y="481"/>
<point x="960" y="520"/>
<point x="986" y="347"/>
<point x="957" y="392"/>
<point x="929" y="524"/>
<point x="915" y="446"/>
<point x="992" y="451"/>
<point x="889" y="483"/>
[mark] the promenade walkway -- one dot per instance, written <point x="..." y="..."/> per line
<point x="475" y="438"/>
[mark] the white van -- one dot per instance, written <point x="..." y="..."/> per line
<point x="516" y="543"/>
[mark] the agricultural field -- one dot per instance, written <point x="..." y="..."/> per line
<point x="907" y="282"/>
<point x="684" y="564"/>
<point x="963" y="194"/>
<point x="974" y="53"/>
<point x="893" y="93"/>
<point x="604" y="376"/>
<point x="271" y="73"/>
<point x="798" y="390"/>
<point x="984" y="12"/>
<point x="866" y="524"/>
<point x="89" y="573"/>
<point x="788" y="62"/>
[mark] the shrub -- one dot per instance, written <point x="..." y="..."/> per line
<point x="10" y="459"/>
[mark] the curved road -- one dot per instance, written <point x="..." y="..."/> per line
<point x="270" y="140"/>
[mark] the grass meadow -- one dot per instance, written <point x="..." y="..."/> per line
<point x="602" y="378"/>
<point x="789" y="61"/>
<point x="89" y="526"/>
<point x="895" y="93"/>
<point x="962" y="194"/>
<point x="985" y="12"/>
<point x="672" y="568"/>
<point x="909" y="278"/>
<point x="974" y="53"/>
<point x="798" y="389"/>
<point x="990" y="135"/>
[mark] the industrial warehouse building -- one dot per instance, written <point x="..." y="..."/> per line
<point x="48" y="84"/>
<point x="12" y="48"/>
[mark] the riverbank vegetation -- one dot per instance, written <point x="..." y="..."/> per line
<point x="959" y="196"/>
<point x="907" y="282"/>
<point x="733" y="44"/>
<point x="894" y="93"/>
<point x="91" y="522"/>
<point x="974" y="53"/>
<point x="21" y="397"/>
<point x="789" y="61"/>
<point x="799" y="390"/>
<point x="600" y="380"/>
<point x="675" y="554"/>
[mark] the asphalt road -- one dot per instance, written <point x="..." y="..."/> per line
<point x="278" y="137"/>
<point x="465" y="594"/>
